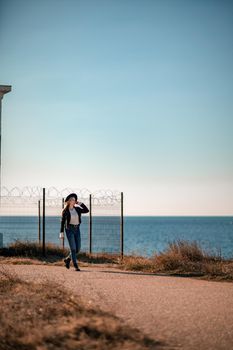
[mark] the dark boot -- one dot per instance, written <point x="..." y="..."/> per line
<point x="67" y="262"/>
<point x="76" y="267"/>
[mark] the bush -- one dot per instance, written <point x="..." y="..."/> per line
<point x="32" y="250"/>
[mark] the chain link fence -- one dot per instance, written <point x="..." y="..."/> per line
<point x="34" y="214"/>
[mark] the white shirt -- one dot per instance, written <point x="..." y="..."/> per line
<point x="74" y="218"/>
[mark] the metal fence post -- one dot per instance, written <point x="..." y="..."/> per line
<point x="63" y="239"/>
<point x="43" y="223"/>
<point x="90" y="225"/>
<point x="39" y="223"/>
<point x="122" y="227"/>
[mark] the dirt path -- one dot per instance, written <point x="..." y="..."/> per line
<point x="184" y="313"/>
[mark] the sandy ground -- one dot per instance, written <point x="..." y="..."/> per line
<point x="184" y="313"/>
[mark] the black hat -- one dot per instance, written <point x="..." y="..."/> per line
<point x="71" y="195"/>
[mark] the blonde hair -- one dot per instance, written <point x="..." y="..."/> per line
<point x="68" y="204"/>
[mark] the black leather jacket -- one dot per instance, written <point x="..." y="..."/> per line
<point x="65" y="219"/>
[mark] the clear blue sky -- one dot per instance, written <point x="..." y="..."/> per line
<point x="133" y="95"/>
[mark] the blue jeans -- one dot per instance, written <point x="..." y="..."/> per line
<point x="74" y="239"/>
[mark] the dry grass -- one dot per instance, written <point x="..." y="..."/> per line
<point x="45" y="317"/>
<point x="54" y="253"/>
<point x="181" y="258"/>
<point x="29" y="249"/>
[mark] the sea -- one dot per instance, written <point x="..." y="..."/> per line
<point x="143" y="235"/>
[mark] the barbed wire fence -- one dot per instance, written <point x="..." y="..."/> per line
<point x="34" y="214"/>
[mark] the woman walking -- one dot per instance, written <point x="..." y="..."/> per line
<point x="70" y="221"/>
